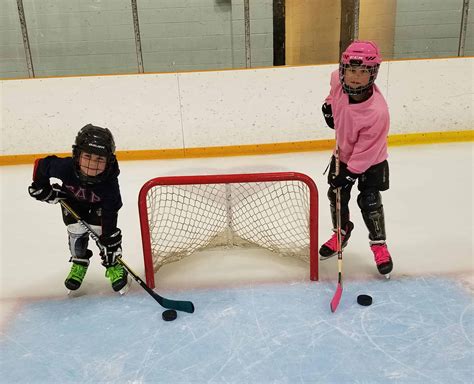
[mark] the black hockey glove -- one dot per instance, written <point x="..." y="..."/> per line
<point x="49" y="193"/>
<point x="327" y="113"/>
<point x="113" y="248"/>
<point x="345" y="179"/>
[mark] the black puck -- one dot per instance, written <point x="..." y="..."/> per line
<point x="169" y="315"/>
<point x="364" y="300"/>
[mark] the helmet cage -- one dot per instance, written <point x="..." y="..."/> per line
<point x="94" y="140"/>
<point x="372" y="70"/>
<point x="362" y="54"/>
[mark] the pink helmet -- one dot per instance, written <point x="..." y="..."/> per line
<point x="364" y="54"/>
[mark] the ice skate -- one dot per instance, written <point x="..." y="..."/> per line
<point x="119" y="278"/>
<point x="382" y="257"/>
<point x="329" y="248"/>
<point x="78" y="271"/>
<point x="76" y="276"/>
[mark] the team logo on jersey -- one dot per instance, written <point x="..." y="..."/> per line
<point x="81" y="193"/>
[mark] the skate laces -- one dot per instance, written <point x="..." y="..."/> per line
<point x="77" y="272"/>
<point x="381" y="254"/>
<point x="332" y="242"/>
<point x="114" y="273"/>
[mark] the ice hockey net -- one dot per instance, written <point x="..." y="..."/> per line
<point x="180" y="215"/>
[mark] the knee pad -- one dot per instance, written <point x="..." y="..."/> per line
<point x="369" y="201"/>
<point x="78" y="239"/>
<point x="76" y="229"/>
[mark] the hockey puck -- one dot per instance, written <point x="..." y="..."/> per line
<point x="364" y="300"/>
<point x="169" y="315"/>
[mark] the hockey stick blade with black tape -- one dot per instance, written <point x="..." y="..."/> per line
<point x="178" y="305"/>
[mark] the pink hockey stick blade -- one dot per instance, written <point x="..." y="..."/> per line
<point x="337" y="298"/>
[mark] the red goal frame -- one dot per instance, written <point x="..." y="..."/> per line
<point x="225" y="179"/>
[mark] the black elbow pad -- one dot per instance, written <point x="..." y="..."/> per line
<point x="327" y="113"/>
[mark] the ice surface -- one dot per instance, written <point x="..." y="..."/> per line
<point x="258" y="319"/>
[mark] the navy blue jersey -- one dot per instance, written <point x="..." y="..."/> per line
<point x="104" y="195"/>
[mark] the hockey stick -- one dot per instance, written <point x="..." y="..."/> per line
<point x="178" y="305"/>
<point x="338" y="294"/>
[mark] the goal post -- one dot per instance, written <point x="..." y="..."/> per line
<point x="180" y="215"/>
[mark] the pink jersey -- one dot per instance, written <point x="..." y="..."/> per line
<point x="361" y="128"/>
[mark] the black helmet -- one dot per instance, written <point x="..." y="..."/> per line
<point x="94" y="140"/>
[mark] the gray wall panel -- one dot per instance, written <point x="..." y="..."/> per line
<point x="204" y="34"/>
<point x="81" y="37"/>
<point x="426" y="29"/>
<point x="12" y="52"/>
<point x="97" y="37"/>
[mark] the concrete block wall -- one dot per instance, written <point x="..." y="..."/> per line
<point x="204" y="34"/>
<point x="431" y="28"/>
<point x="12" y="52"/>
<point x="469" y="46"/>
<point x="81" y="37"/>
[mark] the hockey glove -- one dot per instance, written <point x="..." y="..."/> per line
<point x="112" y="248"/>
<point x="49" y="193"/>
<point x="327" y="113"/>
<point x="345" y="179"/>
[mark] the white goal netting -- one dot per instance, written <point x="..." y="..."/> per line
<point x="184" y="218"/>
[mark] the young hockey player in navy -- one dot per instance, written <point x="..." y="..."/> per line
<point x="358" y="112"/>
<point x="90" y="186"/>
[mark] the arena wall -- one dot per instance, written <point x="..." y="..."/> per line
<point x="232" y="112"/>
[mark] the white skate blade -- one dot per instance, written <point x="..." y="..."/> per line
<point x="72" y="293"/>
<point x="387" y="276"/>
<point x="321" y="258"/>
<point x="125" y="289"/>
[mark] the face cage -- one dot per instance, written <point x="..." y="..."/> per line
<point x="90" y="180"/>
<point x="373" y="70"/>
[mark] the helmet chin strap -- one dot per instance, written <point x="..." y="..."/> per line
<point x="365" y="90"/>
<point x="360" y="97"/>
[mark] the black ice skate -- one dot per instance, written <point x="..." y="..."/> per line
<point x="329" y="248"/>
<point x="382" y="257"/>
<point x="78" y="271"/>
<point x="119" y="278"/>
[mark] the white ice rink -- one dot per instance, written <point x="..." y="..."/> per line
<point x="429" y="221"/>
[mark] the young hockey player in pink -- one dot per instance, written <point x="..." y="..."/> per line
<point x="90" y="186"/>
<point x="358" y="112"/>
